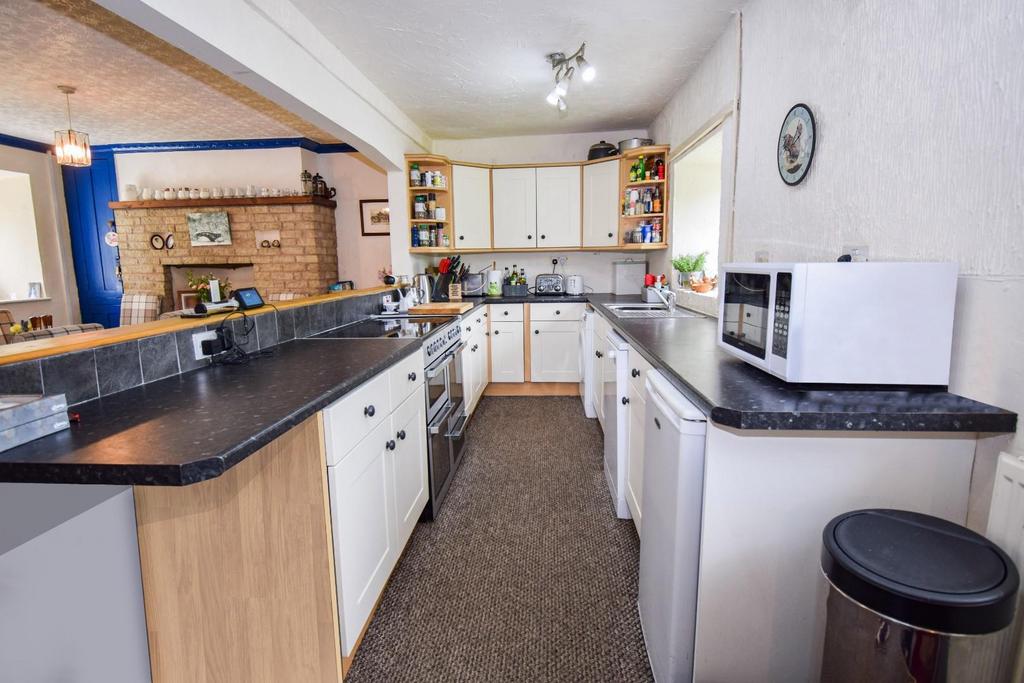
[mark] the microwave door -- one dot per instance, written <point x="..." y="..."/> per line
<point x="745" y="313"/>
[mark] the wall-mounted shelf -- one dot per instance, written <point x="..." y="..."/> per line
<point x="641" y="183"/>
<point x="426" y="189"/>
<point x="211" y="202"/>
<point x="644" y="215"/>
<point x="550" y="250"/>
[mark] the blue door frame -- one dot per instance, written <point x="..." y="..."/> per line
<point x="86" y="192"/>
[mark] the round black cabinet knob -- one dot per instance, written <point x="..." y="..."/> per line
<point x="412" y="376"/>
<point x="543" y="237"/>
<point x="479" y="321"/>
<point x="497" y="332"/>
<point x="529" y="237"/>
<point x="506" y="312"/>
<point x="558" y="313"/>
<point x="369" y="411"/>
<point x="536" y="331"/>
<point x="468" y="329"/>
<point x="401" y="434"/>
<point x="598" y="354"/>
<point x="462" y="237"/>
<point x="635" y="373"/>
<point x="625" y="400"/>
<point x="611" y="235"/>
<point x="390" y="445"/>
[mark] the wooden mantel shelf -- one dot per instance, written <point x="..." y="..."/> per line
<point x="233" y="201"/>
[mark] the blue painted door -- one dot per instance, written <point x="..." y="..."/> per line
<point x="87" y="191"/>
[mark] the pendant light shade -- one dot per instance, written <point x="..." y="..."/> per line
<point x="71" y="147"/>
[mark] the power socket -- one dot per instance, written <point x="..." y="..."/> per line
<point x="215" y="342"/>
<point x="197" y="343"/>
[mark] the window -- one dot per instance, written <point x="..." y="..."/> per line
<point x="697" y="200"/>
<point x="21" y="270"/>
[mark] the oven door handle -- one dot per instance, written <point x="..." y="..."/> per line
<point x="460" y="428"/>
<point x="436" y="370"/>
<point x="440" y="419"/>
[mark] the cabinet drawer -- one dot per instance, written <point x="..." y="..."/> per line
<point x="506" y="312"/>
<point x="474" y="322"/>
<point x="405" y="376"/>
<point x="351" y="418"/>
<point x="638" y="367"/>
<point x="563" y="311"/>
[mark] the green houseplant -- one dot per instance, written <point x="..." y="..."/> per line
<point x="687" y="265"/>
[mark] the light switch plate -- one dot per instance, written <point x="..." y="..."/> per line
<point x="197" y="343"/>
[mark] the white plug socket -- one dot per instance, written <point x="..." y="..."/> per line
<point x="197" y="343"/>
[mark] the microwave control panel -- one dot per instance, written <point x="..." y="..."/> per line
<point x="783" y="290"/>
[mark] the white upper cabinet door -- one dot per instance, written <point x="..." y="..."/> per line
<point x="515" y="207"/>
<point x="507" y="362"/>
<point x="471" y="207"/>
<point x="601" y="204"/>
<point x="554" y="351"/>
<point x="558" y="206"/>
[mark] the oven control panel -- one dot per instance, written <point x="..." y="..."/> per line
<point x="443" y="339"/>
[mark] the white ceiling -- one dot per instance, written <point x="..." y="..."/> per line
<point x="476" y="68"/>
<point x="148" y="92"/>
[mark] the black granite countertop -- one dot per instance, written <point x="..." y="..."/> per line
<point x="195" y="426"/>
<point x="736" y="394"/>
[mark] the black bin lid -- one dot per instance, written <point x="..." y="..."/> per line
<point x="920" y="570"/>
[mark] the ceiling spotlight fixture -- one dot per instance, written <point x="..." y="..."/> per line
<point x="565" y="68"/>
<point x="70" y="146"/>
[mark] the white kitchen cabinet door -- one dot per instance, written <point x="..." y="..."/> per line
<point x="601" y="348"/>
<point x="558" y="206"/>
<point x="363" y="522"/>
<point x="554" y="351"/>
<point x="635" y="453"/>
<point x="409" y="464"/>
<point x="515" y="207"/>
<point x="601" y="204"/>
<point x="471" y="207"/>
<point x="482" y="371"/>
<point x="507" y="352"/>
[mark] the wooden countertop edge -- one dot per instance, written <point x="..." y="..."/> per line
<point x="42" y="348"/>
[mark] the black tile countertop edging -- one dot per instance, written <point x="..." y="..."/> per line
<point x="735" y="394"/>
<point x="193" y="427"/>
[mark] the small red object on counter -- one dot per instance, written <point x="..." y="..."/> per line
<point x="649" y="280"/>
<point x="74" y="417"/>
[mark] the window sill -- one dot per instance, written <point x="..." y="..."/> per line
<point x="706" y="303"/>
<point x="24" y="301"/>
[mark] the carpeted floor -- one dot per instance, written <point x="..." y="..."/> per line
<point x="527" y="575"/>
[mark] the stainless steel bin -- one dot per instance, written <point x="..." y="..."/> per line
<point x="914" y="598"/>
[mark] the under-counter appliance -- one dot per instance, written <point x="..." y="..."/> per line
<point x="574" y="285"/>
<point x="445" y="409"/>
<point x="587" y="360"/>
<point x="673" y="485"/>
<point x="841" y="323"/>
<point x="549" y="284"/>
<point x="614" y="390"/>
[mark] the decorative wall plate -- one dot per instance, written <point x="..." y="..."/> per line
<point x="796" y="144"/>
<point x="156" y="241"/>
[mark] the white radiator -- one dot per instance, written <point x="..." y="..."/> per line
<point x="1006" y="528"/>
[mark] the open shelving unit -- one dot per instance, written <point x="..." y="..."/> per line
<point x="651" y="154"/>
<point x="430" y="162"/>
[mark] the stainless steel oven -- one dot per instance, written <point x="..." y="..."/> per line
<point x="445" y="413"/>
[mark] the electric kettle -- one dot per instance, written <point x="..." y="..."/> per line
<point x="574" y="285"/>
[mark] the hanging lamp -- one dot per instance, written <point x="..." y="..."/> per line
<point x="71" y="147"/>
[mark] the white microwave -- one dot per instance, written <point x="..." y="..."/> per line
<point x="840" y="323"/>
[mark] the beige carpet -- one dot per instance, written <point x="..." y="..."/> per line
<point x="527" y="575"/>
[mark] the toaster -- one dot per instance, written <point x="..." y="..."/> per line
<point x="549" y="284"/>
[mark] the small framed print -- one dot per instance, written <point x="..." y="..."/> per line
<point x="209" y="229"/>
<point x="796" y="144"/>
<point x="374" y="217"/>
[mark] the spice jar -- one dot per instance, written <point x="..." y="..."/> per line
<point x="419" y="207"/>
<point x="431" y="204"/>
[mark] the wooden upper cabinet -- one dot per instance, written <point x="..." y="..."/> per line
<point x="471" y="199"/>
<point x="601" y="204"/>
<point x="558" y="206"/>
<point x="515" y="207"/>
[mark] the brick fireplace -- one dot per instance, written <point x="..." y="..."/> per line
<point x="305" y="263"/>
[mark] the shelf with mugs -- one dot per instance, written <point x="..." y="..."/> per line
<point x="222" y="201"/>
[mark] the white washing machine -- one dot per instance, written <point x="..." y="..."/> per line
<point x="674" y="435"/>
<point x="615" y="380"/>
<point x="587" y="363"/>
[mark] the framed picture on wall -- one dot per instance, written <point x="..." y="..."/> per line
<point x="209" y="229"/>
<point x="374" y="217"/>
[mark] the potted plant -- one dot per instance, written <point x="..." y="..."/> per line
<point x="201" y="285"/>
<point x="688" y="265"/>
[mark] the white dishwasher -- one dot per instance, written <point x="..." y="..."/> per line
<point x="674" y="434"/>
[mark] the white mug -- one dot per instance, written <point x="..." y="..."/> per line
<point x="229" y="192"/>
<point x="131" y="193"/>
<point x="146" y="193"/>
<point x="250" y="191"/>
<point x="204" y="193"/>
<point x="182" y="193"/>
<point x="264" y="192"/>
<point x="158" y="194"/>
<point x="193" y="193"/>
<point x="217" y="193"/>
<point x="276" y="192"/>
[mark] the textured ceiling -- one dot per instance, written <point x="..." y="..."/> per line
<point x="132" y="86"/>
<point x="476" y="68"/>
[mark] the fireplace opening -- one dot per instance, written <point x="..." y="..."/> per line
<point x="180" y="295"/>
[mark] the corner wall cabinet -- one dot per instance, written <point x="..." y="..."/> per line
<point x="569" y="206"/>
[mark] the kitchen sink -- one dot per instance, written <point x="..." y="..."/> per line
<point x="649" y="311"/>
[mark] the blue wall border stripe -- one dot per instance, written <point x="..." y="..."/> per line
<point x="207" y="145"/>
<point x="22" y="143"/>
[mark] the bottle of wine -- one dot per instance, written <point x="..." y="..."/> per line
<point x="508" y="278"/>
<point x="522" y="276"/>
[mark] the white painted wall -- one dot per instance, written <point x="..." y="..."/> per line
<point x="52" y="233"/>
<point x="918" y="156"/>
<point x="19" y="244"/>
<point x="271" y="168"/>
<point x="356" y="177"/>
<point x="530" y="149"/>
